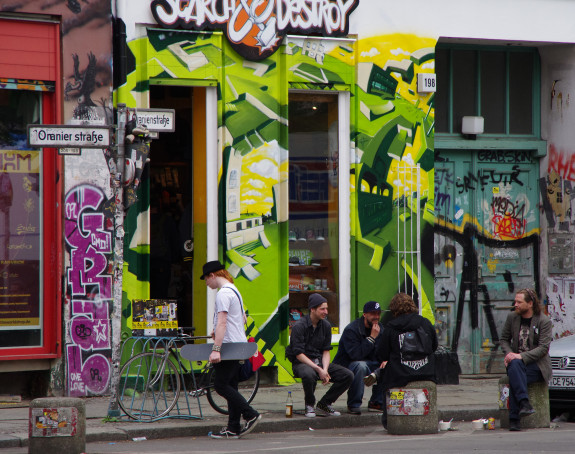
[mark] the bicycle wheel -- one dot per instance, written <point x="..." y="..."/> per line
<point x="149" y="386"/>
<point x="247" y="388"/>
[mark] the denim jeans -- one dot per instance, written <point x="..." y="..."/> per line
<point x="226" y="385"/>
<point x="341" y="377"/>
<point x="520" y="375"/>
<point x="355" y="392"/>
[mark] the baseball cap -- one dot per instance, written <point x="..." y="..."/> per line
<point x="371" y="306"/>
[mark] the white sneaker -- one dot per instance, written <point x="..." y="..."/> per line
<point x="327" y="410"/>
<point x="309" y="411"/>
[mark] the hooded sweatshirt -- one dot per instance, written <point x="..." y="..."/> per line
<point x="399" y="371"/>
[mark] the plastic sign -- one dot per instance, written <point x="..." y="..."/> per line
<point x="426" y="83"/>
<point x="255" y="28"/>
<point x="60" y="136"/>
<point x="157" y="120"/>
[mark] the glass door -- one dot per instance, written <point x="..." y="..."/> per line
<point x="315" y="235"/>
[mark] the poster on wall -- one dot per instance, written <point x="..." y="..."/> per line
<point x="20" y="252"/>
<point x="154" y="318"/>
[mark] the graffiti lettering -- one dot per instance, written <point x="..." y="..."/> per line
<point x="89" y="242"/>
<point x="504" y="156"/>
<point x="561" y="162"/>
<point x="485" y="177"/>
<point x="508" y="218"/>
<point x="91" y="288"/>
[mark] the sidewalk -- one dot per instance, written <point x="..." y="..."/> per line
<point x="474" y="397"/>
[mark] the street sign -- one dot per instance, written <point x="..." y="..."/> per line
<point x="64" y="136"/>
<point x="157" y="120"/>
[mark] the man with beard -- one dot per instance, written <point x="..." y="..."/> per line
<point x="357" y="348"/>
<point x="525" y="341"/>
<point x="310" y="343"/>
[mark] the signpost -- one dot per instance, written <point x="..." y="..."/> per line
<point x="63" y="136"/>
<point x="157" y="120"/>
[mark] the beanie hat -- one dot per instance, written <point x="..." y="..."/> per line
<point x="315" y="299"/>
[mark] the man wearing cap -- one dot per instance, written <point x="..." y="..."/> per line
<point x="310" y="344"/>
<point x="358" y="345"/>
<point x="229" y="320"/>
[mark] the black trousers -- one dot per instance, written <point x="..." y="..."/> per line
<point x="341" y="377"/>
<point x="226" y="385"/>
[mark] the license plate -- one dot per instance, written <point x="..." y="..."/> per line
<point x="562" y="382"/>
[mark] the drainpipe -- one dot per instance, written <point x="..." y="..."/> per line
<point x="116" y="317"/>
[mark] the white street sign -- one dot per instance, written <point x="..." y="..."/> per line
<point x="157" y="120"/>
<point x="60" y="136"/>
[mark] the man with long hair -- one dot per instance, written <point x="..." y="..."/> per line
<point x="405" y="366"/>
<point x="229" y="320"/>
<point x="525" y="342"/>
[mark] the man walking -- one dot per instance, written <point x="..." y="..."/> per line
<point x="310" y="344"/>
<point x="525" y="341"/>
<point x="229" y="320"/>
<point x="357" y="349"/>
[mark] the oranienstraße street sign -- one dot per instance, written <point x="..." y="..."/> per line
<point x="66" y="136"/>
<point x="157" y="120"/>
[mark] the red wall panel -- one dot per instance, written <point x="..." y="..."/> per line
<point x="28" y="50"/>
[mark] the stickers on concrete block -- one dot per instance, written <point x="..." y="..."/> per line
<point x="53" y="422"/>
<point x="407" y="402"/>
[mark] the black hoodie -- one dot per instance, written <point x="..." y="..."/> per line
<point x="398" y="372"/>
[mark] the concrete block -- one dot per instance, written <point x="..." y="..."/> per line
<point x="539" y="398"/>
<point x="57" y="425"/>
<point x="413" y="419"/>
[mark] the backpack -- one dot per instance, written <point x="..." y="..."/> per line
<point x="415" y="345"/>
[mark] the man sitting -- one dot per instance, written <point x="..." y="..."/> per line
<point x="357" y="348"/>
<point x="309" y="347"/>
<point x="406" y="349"/>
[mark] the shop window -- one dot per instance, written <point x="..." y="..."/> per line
<point x="22" y="229"/>
<point x="314" y="249"/>
<point x="499" y="84"/>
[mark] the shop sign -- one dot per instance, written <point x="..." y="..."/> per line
<point x="255" y="28"/>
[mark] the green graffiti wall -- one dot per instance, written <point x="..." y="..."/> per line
<point x="391" y="127"/>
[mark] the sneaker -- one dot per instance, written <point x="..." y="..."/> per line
<point x="250" y="424"/>
<point x="326" y="409"/>
<point x="514" y="425"/>
<point x="309" y="411"/>
<point x="354" y="410"/>
<point x="525" y="408"/>
<point x="224" y="433"/>
<point x="370" y="379"/>
<point x="372" y="406"/>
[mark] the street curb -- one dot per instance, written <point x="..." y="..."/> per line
<point x="271" y="423"/>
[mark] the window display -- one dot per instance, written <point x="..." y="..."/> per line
<point x="313" y="203"/>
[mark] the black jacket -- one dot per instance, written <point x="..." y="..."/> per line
<point x="309" y="341"/>
<point x="399" y="372"/>
<point x="354" y="346"/>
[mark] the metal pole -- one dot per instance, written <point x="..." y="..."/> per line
<point x="116" y="316"/>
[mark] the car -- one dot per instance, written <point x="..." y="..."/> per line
<point x="562" y="383"/>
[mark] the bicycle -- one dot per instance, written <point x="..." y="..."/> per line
<point x="151" y="382"/>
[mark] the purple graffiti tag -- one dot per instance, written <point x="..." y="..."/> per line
<point x="91" y="286"/>
<point x="90" y="334"/>
<point x="88" y="242"/>
<point x="91" y="376"/>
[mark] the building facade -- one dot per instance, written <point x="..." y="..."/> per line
<point x="318" y="147"/>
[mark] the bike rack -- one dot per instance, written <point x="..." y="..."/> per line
<point x="185" y="404"/>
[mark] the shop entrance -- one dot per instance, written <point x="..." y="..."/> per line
<point x="178" y="204"/>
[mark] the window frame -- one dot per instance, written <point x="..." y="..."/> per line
<point x="536" y="90"/>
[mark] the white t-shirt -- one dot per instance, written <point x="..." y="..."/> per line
<point x="227" y="301"/>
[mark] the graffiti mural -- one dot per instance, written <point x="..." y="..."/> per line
<point x="393" y="130"/>
<point x="88" y="338"/>
<point x="486" y="247"/>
